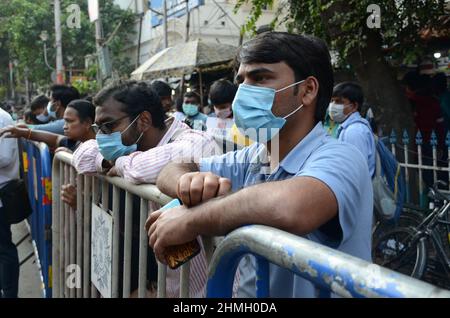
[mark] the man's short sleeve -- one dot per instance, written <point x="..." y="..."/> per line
<point x="56" y="127"/>
<point x="344" y="170"/>
<point x="232" y="165"/>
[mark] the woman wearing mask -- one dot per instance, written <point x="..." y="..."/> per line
<point x="78" y="119"/>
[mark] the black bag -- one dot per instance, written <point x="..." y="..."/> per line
<point x="16" y="204"/>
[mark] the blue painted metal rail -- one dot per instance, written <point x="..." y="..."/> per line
<point x="36" y="166"/>
<point x="328" y="269"/>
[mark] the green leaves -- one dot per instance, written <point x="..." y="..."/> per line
<point x="343" y="24"/>
<point x="22" y="21"/>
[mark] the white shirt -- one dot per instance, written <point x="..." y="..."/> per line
<point x="9" y="152"/>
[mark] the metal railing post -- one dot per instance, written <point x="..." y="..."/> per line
<point x="56" y="230"/>
<point x="79" y="221"/>
<point x="87" y="236"/>
<point x="127" y="245"/>
<point x="143" y="244"/>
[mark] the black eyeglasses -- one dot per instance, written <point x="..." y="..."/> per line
<point x="108" y="127"/>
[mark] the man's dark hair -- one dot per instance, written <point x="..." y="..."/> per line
<point x="65" y="94"/>
<point x="39" y="101"/>
<point x="194" y="95"/>
<point x="29" y="116"/>
<point x="161" y="88"/>
<point x="84" y="108"/>
<point x="350" y="90"/>
<point x="136" y="97"/>
<point x="222" y="92"/>
<point x="179" y="104"/>
<point x="306" y="56"/>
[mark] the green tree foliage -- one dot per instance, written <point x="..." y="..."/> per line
<point x="372" y="53"/>
<point x="22" y="21"/>
<point x="343" y="24"/>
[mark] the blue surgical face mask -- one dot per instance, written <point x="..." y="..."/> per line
<point x="252" y="109"/>
<point x="111" y="146"/>
<point x="51" y="112"/>
<point x="190" y="110"/>
<point x="43" y="118"/>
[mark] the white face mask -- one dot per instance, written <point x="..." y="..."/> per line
<point x="222" y="113"/>
<point x="336" y="112"/>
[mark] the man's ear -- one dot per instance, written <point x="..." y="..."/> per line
<point x="145" y="121"/>
<point x="310" y="91"/>
<point x="59" y="108"/>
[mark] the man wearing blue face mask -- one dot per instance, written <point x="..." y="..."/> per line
<point x="191" y="108"/>
<point x="319" y="188"/>
<point x="61" y="96"/>
<point x="344" y="109"/>
<point x="134" y="141"/>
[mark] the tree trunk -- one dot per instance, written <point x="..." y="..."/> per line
<point x="381" y="87"/>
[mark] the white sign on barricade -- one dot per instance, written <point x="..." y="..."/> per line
<point x="101" y="250"/>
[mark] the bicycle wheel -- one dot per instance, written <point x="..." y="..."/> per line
<point x="395" y="251"/>
<point x="409" y="217"/>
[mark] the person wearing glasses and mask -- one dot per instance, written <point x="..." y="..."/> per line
<point x="134" y="141"/>
<point x="308" y="184"/>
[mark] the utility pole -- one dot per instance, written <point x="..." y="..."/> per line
<point x="11" y="80"/>
<point x="27" y="85"/>
<point x="58" y="36"/>
<point x="186" y="39"/>
<point x="166" y="41"/>
<point x="187" y="21"/>
<point x="98" y="44"/>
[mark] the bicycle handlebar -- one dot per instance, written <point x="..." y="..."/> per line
<point x="436" y="194"/>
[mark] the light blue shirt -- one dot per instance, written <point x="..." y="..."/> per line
<point x="340" y="166"/>
<point x="56" y="127"/>
<point x="199" y="121"/>
<point x="356" y="130"/>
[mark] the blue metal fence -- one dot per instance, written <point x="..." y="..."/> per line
<point x="36" y="169"/>
<point x="425" y="161"/>
<point x="328" y="269"/>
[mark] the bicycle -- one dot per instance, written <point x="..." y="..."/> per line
<point x="416" y="247"/>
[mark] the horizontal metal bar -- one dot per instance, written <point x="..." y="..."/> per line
<point x="147" y="192"/>
<point x="328" y="268"/>
<point x="424" y="167"/>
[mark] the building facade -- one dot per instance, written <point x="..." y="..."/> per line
<point x="210" y="20"/>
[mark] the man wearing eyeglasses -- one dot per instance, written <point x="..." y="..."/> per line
<point x="133" y="138"/>
<point x="134" y="141"/>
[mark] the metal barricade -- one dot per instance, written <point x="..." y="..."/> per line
<point x="327" y="268"/>
<point x="417" y="163"/>
<point x="71" y="233"/>
<point x="36" y="171"/>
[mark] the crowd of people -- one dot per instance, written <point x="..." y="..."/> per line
<point x="315" y="186"/>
